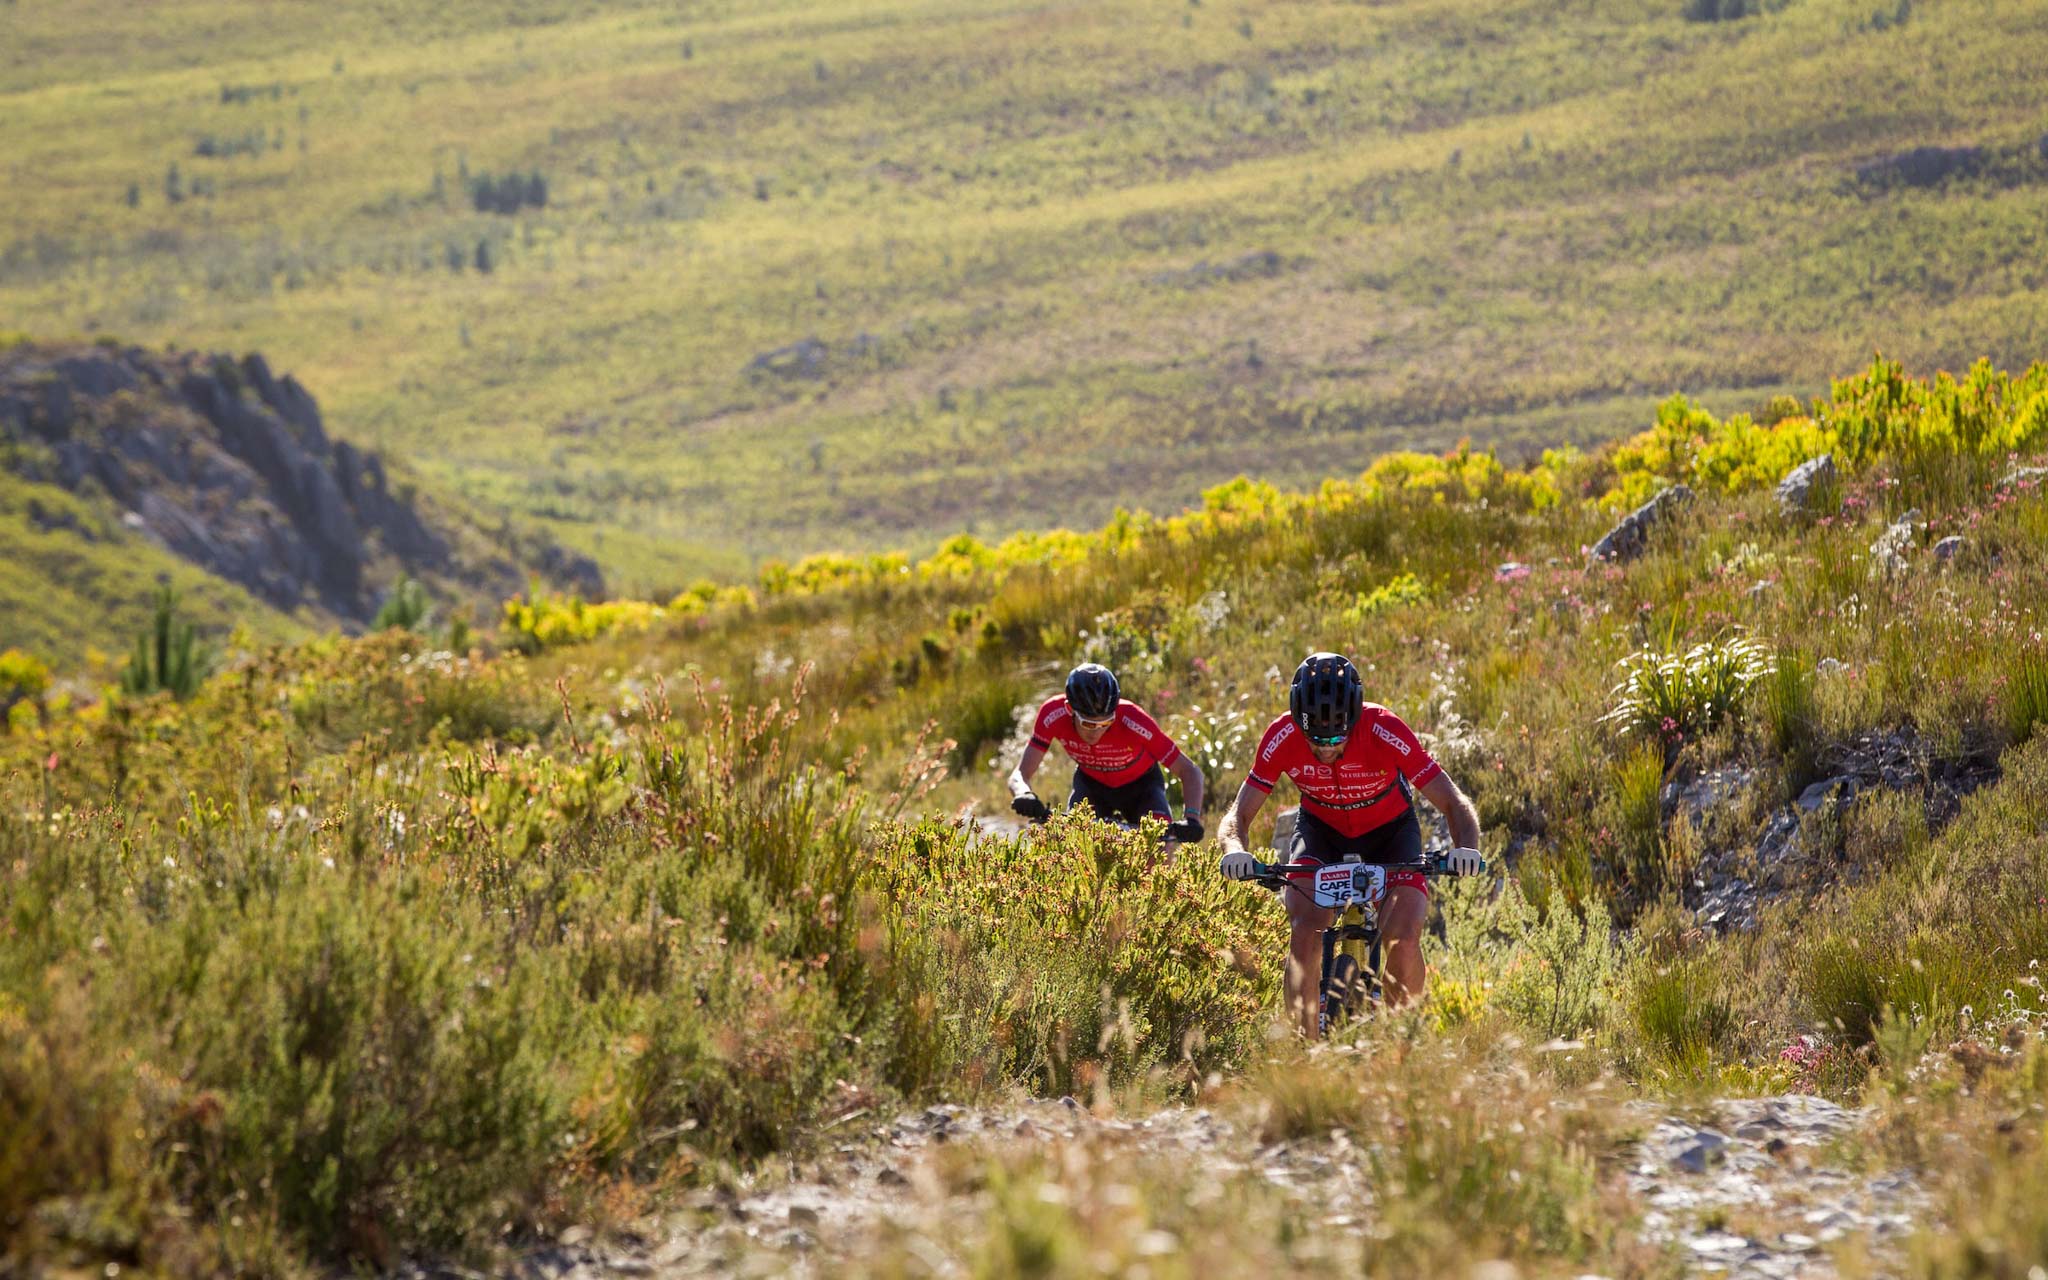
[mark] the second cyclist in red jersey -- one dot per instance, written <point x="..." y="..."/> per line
<point x="1118" y="753"/>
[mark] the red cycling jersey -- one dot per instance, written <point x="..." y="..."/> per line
<point x="1360" y="791"/>
<point x="1131" y="746"/>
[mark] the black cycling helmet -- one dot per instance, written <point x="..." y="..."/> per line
<point x="1092" y="691"/>
<point x="1327" y="696"/>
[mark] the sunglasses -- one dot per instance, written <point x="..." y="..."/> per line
<point x="1337" y="741"/>
<point x="1085" y="723"/>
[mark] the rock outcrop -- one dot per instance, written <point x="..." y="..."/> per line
<point x="230" y="467"/>
<point x="1790" y="851"/>
<point x="1628" y="539"/>
<point x="1803" y="483"/>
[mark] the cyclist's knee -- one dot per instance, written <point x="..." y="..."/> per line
<point x="1309" y="922"/>
<point x="1404" y="915"/>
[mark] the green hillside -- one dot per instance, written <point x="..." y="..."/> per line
<point x="73" y="581"/>
<point x="860" y="273"/>
<point x="122" y="468"/>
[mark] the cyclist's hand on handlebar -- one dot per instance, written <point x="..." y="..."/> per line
<point x="1186" y="831"/>
<point x="1465" y="862"/>
<point x="1237" y="865"/>
<point x="1029" y="806"/>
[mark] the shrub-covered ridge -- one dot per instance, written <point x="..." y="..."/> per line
<point x="368" y="949"/>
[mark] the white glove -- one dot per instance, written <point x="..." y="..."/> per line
<point x="1466" y="862"/>
<point x="1237" y="865"/>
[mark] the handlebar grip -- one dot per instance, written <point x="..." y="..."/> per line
<point x="1268" y="874"/>
<point x="1440" y="865"/>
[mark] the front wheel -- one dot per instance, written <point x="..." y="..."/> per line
<point x="1349" y="990"/>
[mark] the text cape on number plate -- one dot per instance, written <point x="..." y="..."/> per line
<point x="1350" y="882"/>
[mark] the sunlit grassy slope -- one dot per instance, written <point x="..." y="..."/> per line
<point x="74" y="582"/>
<point x="370" y="951"/>
<point x="1058" y="256"/>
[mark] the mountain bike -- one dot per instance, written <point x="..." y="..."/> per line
<point x="1352" y="976"/>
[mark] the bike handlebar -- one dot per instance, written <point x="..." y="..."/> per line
<point x="1273" y="875"/>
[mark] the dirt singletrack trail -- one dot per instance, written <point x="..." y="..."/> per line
<point x="1740" y="1187"/>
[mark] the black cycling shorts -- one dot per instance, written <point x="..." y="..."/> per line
<point x="1392" y="844"/>
<point x="1142" y="797"/>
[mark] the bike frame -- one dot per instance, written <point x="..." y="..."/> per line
<point x="1354" y="933"/>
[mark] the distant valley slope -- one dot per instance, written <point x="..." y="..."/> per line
<point x="696" y="285"/>
<point x="134" y="458"/>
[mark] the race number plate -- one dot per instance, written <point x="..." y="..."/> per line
<point x="1333" y="886"/>
<point x="1348" y="883"/>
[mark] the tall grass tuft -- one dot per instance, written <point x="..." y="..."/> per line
<point x="169" y="658"/>
<point x="2026" y="694"/>
<point x="1683" y="1022"/>
<point x="980" y="712"/>
<point x="1791" y="717"/>
<point x="407" y="607"/>
<point x="1632" y="816"/>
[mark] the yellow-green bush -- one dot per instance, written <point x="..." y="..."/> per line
<point x="1402" y="588"/>
<point x="546" y="622"/>
<point x="705" y="597"/>
<point x="1876" y="416"/>
<point x="24" y="679"/>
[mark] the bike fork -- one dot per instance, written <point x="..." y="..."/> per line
<point x="1323" y="984"/>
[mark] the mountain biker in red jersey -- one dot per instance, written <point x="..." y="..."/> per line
<point x="1356" y="767"/>
<point x="1117" y="752"/>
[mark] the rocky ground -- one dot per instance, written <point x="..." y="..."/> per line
<point x="1751" y="1192"/>
<point x="1795" y="848"/>
<point x="1739" y="1188"/>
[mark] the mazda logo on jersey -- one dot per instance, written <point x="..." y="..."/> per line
<point x="1387" y="736"/>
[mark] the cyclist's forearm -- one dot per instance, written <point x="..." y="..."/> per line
<point x="1026" y="770"/>
<point x="1227" y="837"/>
<point x="1465" y="828"/>
<point x="1457" y="809"/>
<point x="1191" y="784"/>
<point x="1231" y="827"/>
<point x="1464" y="822"/>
